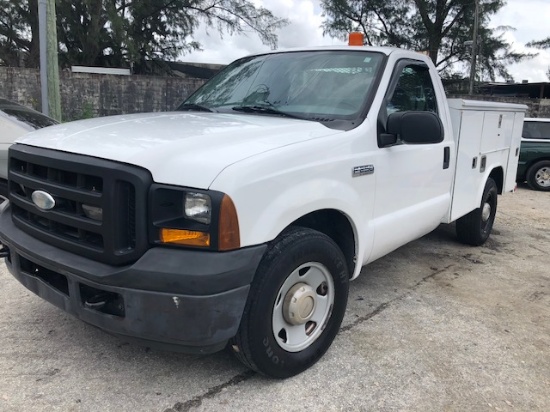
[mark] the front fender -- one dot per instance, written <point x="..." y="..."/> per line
<point x="297" y="201"/>
<point x="274" y="189"/>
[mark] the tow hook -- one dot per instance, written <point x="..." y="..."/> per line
<point x="97" y="302"/>
<point x="4" y="251"/>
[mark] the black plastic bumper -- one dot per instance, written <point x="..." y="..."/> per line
<point x="183" y="300"/>
<point x="3" y="188"/>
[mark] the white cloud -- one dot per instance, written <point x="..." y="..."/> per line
<point x="304" y="30"/>
<point x="529" y="17"/>
<point x="532" y="70"/>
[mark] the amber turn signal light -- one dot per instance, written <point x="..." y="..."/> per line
<point x="184" y="237"/>
<point x="228" y="230"/>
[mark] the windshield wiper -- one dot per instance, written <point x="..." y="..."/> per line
<point x="193" y="106"/>
<point x="266" y="110"/>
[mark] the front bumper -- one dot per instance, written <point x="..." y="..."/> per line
<point x="185" y="300"/>
<point x="3" y="188"/>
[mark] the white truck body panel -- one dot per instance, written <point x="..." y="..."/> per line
<point x="312" y="177"/>
<point x="413" y="171"/>
<point x="207" y="144"/>
<point x="513" y="160"/>
<point x="488" y="135"/>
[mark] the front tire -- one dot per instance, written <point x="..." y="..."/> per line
<point x="538" y="176"/>
<point x="474" y="228"/>
<point x="296" y="304"/>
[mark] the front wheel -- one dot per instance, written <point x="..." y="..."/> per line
<point x="538" y="175"/>
<point x="296" y="304"/>
<point x="474" y="228"/>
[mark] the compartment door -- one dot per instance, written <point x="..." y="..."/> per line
<point x="467" y="175"/>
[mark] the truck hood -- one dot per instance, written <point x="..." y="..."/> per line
<point x="180" y="148"/>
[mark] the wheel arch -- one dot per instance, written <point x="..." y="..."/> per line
<point x="522" y="177"/>
<point x="530" y="175"/>
<point x="497" y="174"/>
<point x="336" y="225"/>
<point x="531" y="163"/>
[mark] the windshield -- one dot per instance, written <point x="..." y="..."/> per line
<point x="34" y="119"/>
<point x="314" y="85"/>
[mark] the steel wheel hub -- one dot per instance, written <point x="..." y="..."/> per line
<point x="303" y="307"/>
<point x="299" y="304"/>
<point x="486" y="213"/>
<point x="543" y="176"/>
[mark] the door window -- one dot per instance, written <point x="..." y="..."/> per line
<point x="536" y="130"/>
<point x="414" y="91"/>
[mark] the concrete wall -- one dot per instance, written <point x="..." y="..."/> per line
<point x="89" y="95"/>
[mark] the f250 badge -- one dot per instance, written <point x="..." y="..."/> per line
<point x="43" y="200"/>
<point x="362" y="170"/>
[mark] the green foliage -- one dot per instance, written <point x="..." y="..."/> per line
<point x="87" y="111"/>
<point x="84" y="110"/>
<point x="19" y="33"/>
<point x="540" y="44"/>
<point x="438" y="27"/>
<point x="128" y="33"/>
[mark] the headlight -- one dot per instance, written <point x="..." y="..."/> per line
<point x="194" y="218"/>
<point x="198" y="206"/>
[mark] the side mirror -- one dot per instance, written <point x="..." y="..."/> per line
<point x="412" y="127"/>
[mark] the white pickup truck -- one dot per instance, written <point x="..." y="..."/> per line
<point x="239" y="219"/>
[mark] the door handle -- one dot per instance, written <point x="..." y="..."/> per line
<point x="446" y="157"/>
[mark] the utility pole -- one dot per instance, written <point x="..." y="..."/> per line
<point x="474" y="49"/>
<point x="43" y="60"/>
<point x="49" y="65"/>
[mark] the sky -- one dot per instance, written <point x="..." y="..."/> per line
<point x="530" y="18"/>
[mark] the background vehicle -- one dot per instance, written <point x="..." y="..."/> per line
<point x="241" y="218"/>
<point x="534" y="156"/>
<point x="15" y="121"/>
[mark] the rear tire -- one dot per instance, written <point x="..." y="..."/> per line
<point x="296" y="304"/>
<point x="538" y="176"/>
<point x="474" y="228"/>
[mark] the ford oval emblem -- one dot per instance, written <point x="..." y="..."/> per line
<point x="43" y="200"/>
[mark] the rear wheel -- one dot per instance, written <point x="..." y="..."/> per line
<point x="475" y="228"/>
<point x="295" y="306"/>
<point x="538" y="176"/>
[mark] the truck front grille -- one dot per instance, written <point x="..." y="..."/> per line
<point x="117" y="236"/>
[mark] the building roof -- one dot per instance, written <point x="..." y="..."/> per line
<point x="540" y="90"/>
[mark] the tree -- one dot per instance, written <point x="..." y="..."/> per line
<point x="125" y="33"/>
<point x="441" y="28"/>
<point x="541" y="44"/>
<point x="19" y="33"/>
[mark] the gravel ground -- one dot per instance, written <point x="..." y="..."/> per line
<point x="434" y="326"/>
